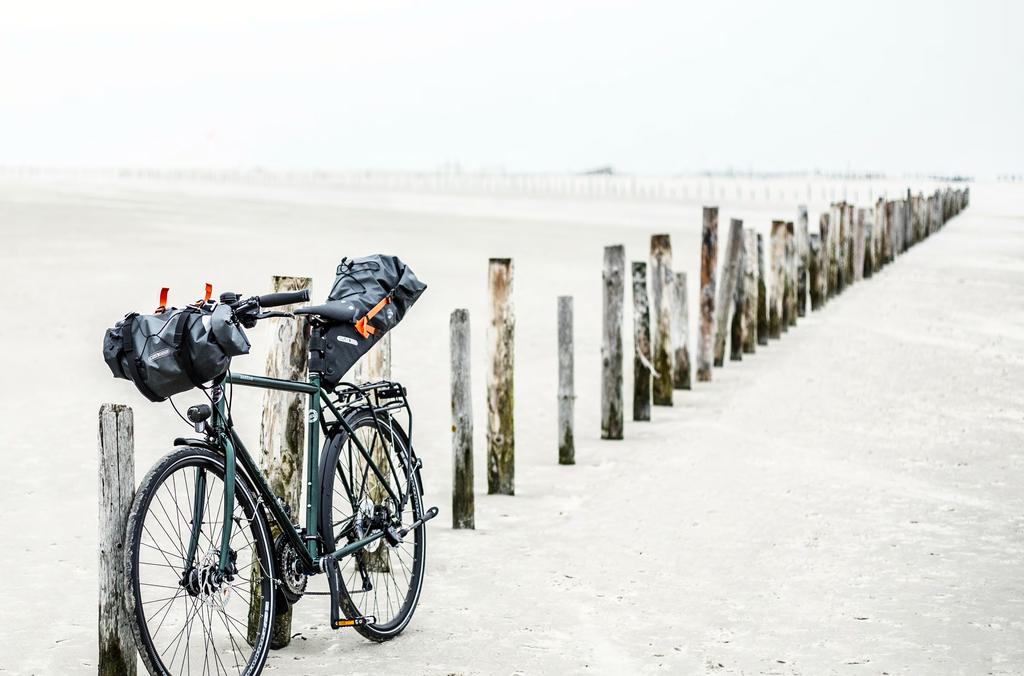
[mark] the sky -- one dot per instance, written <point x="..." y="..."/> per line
<point x="645" y="87"/>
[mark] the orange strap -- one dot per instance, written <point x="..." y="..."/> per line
<point x="206" y="297"/>
<point x="362" y="324"/>
<point x="163" y="300"/>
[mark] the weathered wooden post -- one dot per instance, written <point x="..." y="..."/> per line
<point x="116" y="489"/>
<point x="778" y="267"/>
<point x="859" y="245"/>
<point x="789" y="290"/>
<point x="814" y="270"/>
<point x="501" y="439"/>
<point x="738" y="321"/>
<point x="824" y="227"/>
<point x="661" y="295"/>
<point x="708" y="261"/>
<point x="869" y="246"/>
<point x="566" y="384"/>
<point x="878" y="236"/>
<point x="680" y="333"/>
<point x="727" y="292"/>
<point x="851" y="227"/>
<point x="762" y="295"/>
<point x="641" y="344"/>
<point x="839" y="244"/>
<point x="283" y="428"/>
<point x="889" y="253"/>
<point x="611" y="345"/>
<point x="908" y="221"/>
<point x="748" y="328"/>
<point x="463" y="502"/>
<point x="801" y="261"/>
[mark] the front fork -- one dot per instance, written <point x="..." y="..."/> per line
<point x="225" y="564"/>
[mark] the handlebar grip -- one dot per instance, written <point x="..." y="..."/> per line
<point x="285" y="298"/>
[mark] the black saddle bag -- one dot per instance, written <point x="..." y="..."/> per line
<point x="369" y="297"/>
<point x="174" y="350"/>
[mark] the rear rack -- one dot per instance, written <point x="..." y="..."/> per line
<point x="380" y="396"/>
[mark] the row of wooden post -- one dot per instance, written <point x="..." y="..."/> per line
<point x="742" y="308"/>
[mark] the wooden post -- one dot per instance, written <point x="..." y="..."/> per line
<point x="869" y="246"/>
<point x="859" y="245"/>
<point x="778" y="265"/>
<point x="463" y="501"/>
<point x="708" y="261"/>
<point x="848" y="250"/>
<point x="680" y="333"/>
<point x="840" y="248"/>
<point x="641" y="344"/>
<point x="879" y="236"/>
<point x="738" y="318"/>
<point x="501" y="438"/>
<point x="814" y="270"/>
<point x="789" y="291"/>
<point x="566" y="385"/>
<point x="611" y="346"/>
<point x="801" y="261"/>
<point x="835" y="233"/>
<point x="727" y="292"/>
<point x="750" y="291"/>
<point x="889" y="254"/>
<point x="908" y="221"/>
<point x="661" y="295"/>
<point x="116" y="489"/>
<point x="283" y="430"/>
<point x="762" y="295"/>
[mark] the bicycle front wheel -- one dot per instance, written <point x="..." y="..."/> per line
<point x="190" y="618"/>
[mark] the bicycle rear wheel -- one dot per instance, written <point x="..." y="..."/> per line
<point x="189" y="619"/>
<point x="381" y="581"/>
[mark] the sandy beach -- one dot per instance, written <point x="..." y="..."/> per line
<point x="848" y="500"/>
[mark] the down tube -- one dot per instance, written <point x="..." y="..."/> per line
<point x="312" y="467"/>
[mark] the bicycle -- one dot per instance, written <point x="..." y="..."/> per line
<point x="205" y="576"/>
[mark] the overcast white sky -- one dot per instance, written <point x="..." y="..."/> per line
<point x="524" y="85"/>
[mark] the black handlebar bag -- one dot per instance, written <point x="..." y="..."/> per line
<point x="369" y="297"/>
<point x="174" y="350"/>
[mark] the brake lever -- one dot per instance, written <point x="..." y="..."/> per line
<point x="268" y="315"/>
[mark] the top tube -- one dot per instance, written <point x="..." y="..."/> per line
<point x="247" y="380"/>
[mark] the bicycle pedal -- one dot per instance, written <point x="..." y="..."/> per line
<point x="357" y="622"/>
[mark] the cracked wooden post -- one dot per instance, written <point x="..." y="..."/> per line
<point x="814" y="269"/>
<point x="889" y="253"/>
<point x="611" y="345"/>
<point x="859" y="245"/>
<point x="750" y="291"/>
<point x="727" y="291"/>
<point x="501" y="438"/>
<point x="463" y="500"/>
<point x="680" y="333"/>
<point x="641" y="344"/>
<point x="116" y="489"/>
<point x="708" y="261"/>
<point x="762" y="295"/>
<point x="789" y="290"/>
<point x="283" y="431"/>
<point x="566" y="384"/>
<point x="778" y="265"/>
<point x="661" y="297"/>
<point x="801" y="261"/>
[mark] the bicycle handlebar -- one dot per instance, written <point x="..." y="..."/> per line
<point x="284" y="298"/>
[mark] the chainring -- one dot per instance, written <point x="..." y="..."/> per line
<point x="293" y="581"/>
